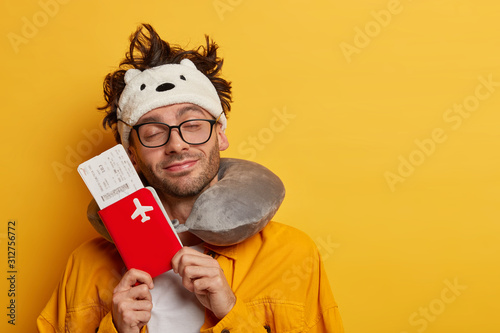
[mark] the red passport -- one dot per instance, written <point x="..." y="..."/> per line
<point x="142" y="231"/>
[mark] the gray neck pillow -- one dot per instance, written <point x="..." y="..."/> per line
<point x="238" y="206"/>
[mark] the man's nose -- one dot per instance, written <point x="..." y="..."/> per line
<point x="175" y="143"/>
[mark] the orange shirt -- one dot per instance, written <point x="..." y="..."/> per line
<point x="277" y="276"/>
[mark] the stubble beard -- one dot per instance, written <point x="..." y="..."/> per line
<point x="181" y="188"/>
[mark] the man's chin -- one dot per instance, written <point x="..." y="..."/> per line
<point x="180" y="192"/>
<point x="180" y="186"/>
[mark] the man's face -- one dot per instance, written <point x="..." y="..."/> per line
<point x="178" y="169"/>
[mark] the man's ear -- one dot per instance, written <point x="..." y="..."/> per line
<point x="132" y="154"/>
<point x="221" y="136"/>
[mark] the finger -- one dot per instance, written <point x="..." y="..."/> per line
<point x="143" y="317"/>
<point x="193" y="274"/>
<point x="126" y="311"/>
<point x="196" y="272"/>
<point x="188" y="259"/>
<point x="181" y="253"/>
<point x="134" y="305"/>
<point x="140" y="292"/>
<point x="141" y="305"/>
<point x="134" y="319"/>
<point x="132" y="277"/>
<point x="214" y="286"/>
<point x="194" y="261"/>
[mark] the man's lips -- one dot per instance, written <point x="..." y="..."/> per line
<point x="180" y="166"/>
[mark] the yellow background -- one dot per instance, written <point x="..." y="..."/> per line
<point x="363" y="86"/>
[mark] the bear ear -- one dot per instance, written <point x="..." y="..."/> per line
<point x="189" y="63"/>
<point x="130" y="74"/>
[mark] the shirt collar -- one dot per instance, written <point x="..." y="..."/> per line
<point x="226" y="251"/>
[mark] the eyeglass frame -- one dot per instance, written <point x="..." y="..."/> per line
<point x="170" y="127"/>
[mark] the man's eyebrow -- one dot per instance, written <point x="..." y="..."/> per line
<point x="148" y="119"/>
<point x="187" y="108"/>
<point x="182" y="111"/>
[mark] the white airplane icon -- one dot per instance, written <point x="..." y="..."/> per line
<point x="141" y="210"/>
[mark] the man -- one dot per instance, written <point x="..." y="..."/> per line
<point x="272" y="281"/>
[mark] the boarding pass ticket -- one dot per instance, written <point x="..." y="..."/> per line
<point x="110" y="176"/>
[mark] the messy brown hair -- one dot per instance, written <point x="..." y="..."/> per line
<point x="148" y="50"/>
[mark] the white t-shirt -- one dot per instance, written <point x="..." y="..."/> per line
<point x="175" y="309"/>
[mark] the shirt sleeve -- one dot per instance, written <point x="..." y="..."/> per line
<point x="57" y="316"/>
<point x="323" y="312"/>
<point x="53" y="316"/>
<point x="84" y="293"/>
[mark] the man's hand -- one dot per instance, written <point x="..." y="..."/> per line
<point x="132" y="304"/>
<point x="202" y="275"/>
